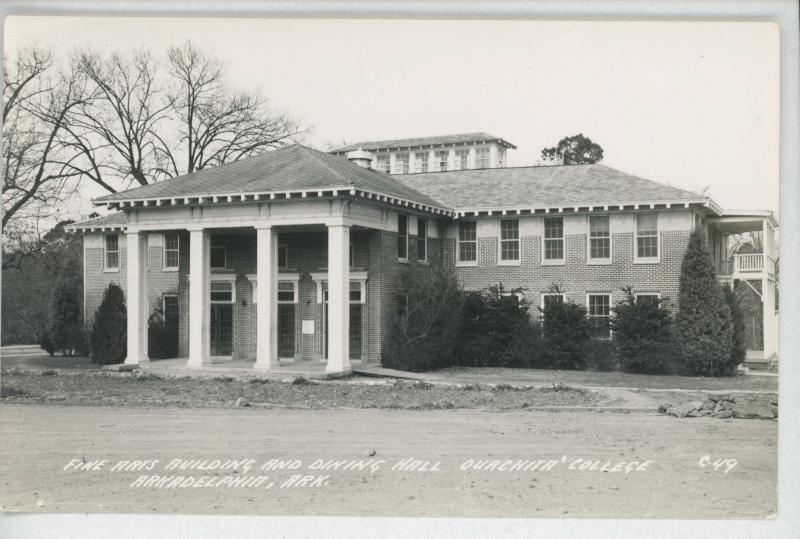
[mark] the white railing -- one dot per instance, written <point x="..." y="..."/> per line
<point x="751" y="263"/>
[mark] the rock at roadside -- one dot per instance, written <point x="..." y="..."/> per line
<point x="755" y="407"/>
<point x="723" y="414"/>
<point x="241" y="402"/>
<point x="685" y="408"/>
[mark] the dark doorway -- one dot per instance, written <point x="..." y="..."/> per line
<point x="221" y="329"/>
<point x="286" y="331"/>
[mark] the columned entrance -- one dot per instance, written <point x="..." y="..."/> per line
<point x="221" y="329"/>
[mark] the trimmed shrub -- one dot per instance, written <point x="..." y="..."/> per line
<point x="738" y="344"/>
<point x="162" y="336"/>
<point x="109" y="330"/>
<point x="642" y="334"/>
<point x="565" y="336"/>
<point x="497" y="330"/>
<point x="424" y="332"/>
<point x="65" y="332"/>
<point x="703" y="327"/>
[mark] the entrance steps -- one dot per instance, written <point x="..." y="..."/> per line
<point x="382" y="372"/>
<point x="22" y="350"/>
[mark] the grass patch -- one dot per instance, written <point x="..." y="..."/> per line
<point x="300" y="381"/>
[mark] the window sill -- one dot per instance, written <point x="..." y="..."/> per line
<point x="599" y="262"/>
<point x="170" y="270"/>
<point x="647" y="260"/>
<point x="423" y="262"/>
<point x="468" y="264"/>
<point x="560" y="262"/>
<point x="508" y="262"/>
<point x="110" y="270"/>
<point x="403" y="260"/>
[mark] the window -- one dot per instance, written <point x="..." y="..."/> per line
<point x="482" y="158"/>
<point x="422" y="239"/>
<point x="600" y="316"/>
<point x="352" y="255"/>
<point x="402" y="236"/>
<point x="401" y="163"/>
<point x="171" y="309"/>
<point x="467" y="241"/>
<point x="421" y="162"/>
<point x="171" y="251"/>
<point x="647" y="235"/>
<point x="554" y="239"/>
<point x="552" y="298"/>
<point x="112" y="251"/>
<point x="283" y="257"/>
<point x="382" y="163"/>
<point x="441" y="158"/>
<point x="286" y="292"/>
<point x="462" y="157"/>
<point x="219" y="257"/>
<point x="599" y="238"/>
<point x="648" y="296"/>
<point x="509" y="240"/>
<point x="355" y="292"/>
<point x="221" y="292"/>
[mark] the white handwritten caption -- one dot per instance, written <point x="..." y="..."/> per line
<point x="723" y="465"/>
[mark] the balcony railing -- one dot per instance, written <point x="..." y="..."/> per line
<point x="746" y="264"/>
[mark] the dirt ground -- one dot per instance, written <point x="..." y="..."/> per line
<point x="38" y="441"/>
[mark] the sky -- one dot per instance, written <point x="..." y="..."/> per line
<point x="691" y="104"/>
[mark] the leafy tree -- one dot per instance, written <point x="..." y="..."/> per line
<point x="704" y="330"/>
<point x="565" y="335"/>
<point x="575" y="150"/>
<point x="738" y="345"/>
<point x="109" y="331"/>
<point x="642" y="334"/>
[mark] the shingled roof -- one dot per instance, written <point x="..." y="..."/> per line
<point x="408" y="143"/>
<point x="112" y="221"/>
<point x="294" y="168"/>
<point x="542" y="187"/>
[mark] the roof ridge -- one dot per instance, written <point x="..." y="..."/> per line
<point x="313" y="152"/>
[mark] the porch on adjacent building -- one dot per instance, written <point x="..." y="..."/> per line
<point x="751" y="269"/>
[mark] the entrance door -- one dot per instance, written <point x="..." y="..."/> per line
<point x="221" y="329"/>
<point x="286" y="331"/>
<point x="355" y="332"/>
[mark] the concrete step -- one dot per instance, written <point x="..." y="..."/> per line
<point x="22" y="351"/>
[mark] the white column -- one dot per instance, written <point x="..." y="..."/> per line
<point x="338" y="300"/>
<point x="199" y="268"/>
<point x="136" y="301"/>
<point x="267" y="300"/>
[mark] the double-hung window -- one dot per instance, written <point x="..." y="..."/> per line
<point x="401" y="163"/>
<point x="221" y="292"/>
<point x="422" y="239"/>
<point x="283" y="257"/>
<point x="509" y="241"/>
<point x="552" y="298"/>
<point x="468" y="242"/>
<point x="482" y="158"/>
<point x="441" y="159"/>
<point x="421" y="162"/>
<point x="171" y="252"/>
<point x="647" y="296"/>
<point x="553" y="240"/>
<point x="287" y="292"/>
<point x="647" y="237"/>
<point x="402" y="236"/>
<point x="382" y="163"/>
<point x="599" y="239"/>
<point x="462" y="158"/>
<point x="111" y="255"/>
<point x="599" y="311"/>
<point x="219" y="257"/>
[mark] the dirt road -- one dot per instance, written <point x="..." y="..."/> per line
<point x="38" y="442"/>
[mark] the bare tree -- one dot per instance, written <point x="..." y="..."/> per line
<point x="37" y="172"/>
<point x="218" y="125"/>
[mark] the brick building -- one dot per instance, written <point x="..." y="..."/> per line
<point x="301" y="256"/>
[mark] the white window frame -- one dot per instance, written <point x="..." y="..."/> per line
<point x="651" y="259"/>
<point x="164" y="252"/>
<point x="225" y="250"/>
<point x="281" y="247"/>
<point x="421" y="158"/>
<point x="457" y="161"/>
<point x="379" y="165"/>
<point x="610" y="311"/>
<point x="599" y="261"/>
<point x="439" y="154"/>
<point x="424" y="239"/>
<point x="501" y="241"/>
<point x="555" y="261"/>
<point x="360" y="277"/>
<point x="282" y="278"/>
<point x="401" y="166"/>
<point x="106" y="251"/>
<point x="224" y="278"/>
<point x="546" y="294"/>
<point x="478" y="159"/>
<point x="466" y="263"/>
<point x="637" y="294"/>
<point x="408" y="222"/>
<point x="164" y="304"/>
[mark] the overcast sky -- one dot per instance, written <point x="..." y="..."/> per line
<point x="690" y="104"/>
